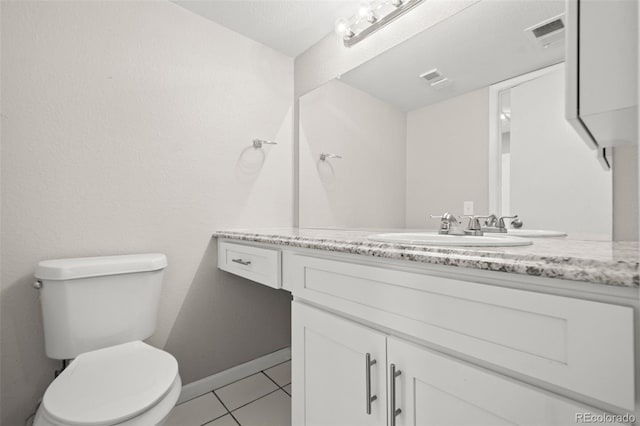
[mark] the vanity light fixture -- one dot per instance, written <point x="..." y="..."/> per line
<point x="370" y="17"/>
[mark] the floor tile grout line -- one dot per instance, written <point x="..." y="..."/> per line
<point x="285" y="391"/>
<point x="266" y="374"/>
<point x="225" y="407"/>
<point x="195" y="397"/>
<point x="244" y="405"/>
<point x="276" y="383"/>
<point x="236" y="381"/>
<point x="253" y="400"/>
<point x="215" y="418"/>
<point x="230" y="412"/>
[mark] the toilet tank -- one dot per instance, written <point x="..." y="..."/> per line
<point x="94" y="302"/>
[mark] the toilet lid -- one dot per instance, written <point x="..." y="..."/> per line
<point x="110" y="385"/>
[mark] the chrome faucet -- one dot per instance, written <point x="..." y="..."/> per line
<point x="449" y="225"/>
<point x="496" y="224"/>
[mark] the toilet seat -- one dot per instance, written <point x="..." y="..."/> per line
<point x="110" y="385"/>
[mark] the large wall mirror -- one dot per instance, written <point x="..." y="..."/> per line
<point x="470" y="110"/>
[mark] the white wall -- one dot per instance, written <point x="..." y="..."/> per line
<point x="366" y="187"/>
<point x="126" y="128"/>
<point x="447" y="158"/>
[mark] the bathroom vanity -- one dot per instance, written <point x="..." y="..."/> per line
<point x="408" y="335"/>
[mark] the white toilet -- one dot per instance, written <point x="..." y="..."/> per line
<point x="97" y="311"/>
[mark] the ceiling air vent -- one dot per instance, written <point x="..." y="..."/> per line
<point x="435" y="79"/>
<point x="547" y="32"/>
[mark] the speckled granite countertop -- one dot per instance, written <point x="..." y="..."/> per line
<point x="599" y="262"/>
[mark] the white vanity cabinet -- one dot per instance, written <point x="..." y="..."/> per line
<point x="472" y="347"/>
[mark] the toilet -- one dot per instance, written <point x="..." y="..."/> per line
<point x="97" y="311"/>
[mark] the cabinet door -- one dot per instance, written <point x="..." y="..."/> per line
<point x="329" y="370"/>
<point x="434" y="389"/>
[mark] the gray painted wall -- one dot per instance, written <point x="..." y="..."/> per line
<point x="625" y="193"/>
<point x="135" y="138"/>
<point x="447" y="160"/>
<point x="365" y="188"/>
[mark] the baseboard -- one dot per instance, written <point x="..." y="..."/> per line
<point x="204" y="385"/>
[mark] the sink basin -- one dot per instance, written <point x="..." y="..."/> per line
<point x="434" y="239"/>
<point x="534" y="233"/>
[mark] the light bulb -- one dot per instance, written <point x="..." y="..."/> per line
<point x="364" y="10"/>
<point x="340" y="27"/>
<point x="396" y="3"/>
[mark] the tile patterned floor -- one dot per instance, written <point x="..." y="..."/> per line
<point x="262" y="399"/>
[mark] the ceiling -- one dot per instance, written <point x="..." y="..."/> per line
<point x="482" y="45"/>
<point x="290" y="27"/>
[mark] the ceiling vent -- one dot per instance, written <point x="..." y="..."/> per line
<point x="547" y="32"/>
<point x="435" y="79"/>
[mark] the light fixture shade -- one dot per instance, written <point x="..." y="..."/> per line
<point x="364" y="10"/>
<point x="341" y="26"/>
<point x="371" y="15"/>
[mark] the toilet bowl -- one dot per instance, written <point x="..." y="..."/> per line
<point x="132" y="384"/>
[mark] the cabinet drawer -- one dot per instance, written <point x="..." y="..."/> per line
<point x="255" y="263"/>
<point x="579" y="345"/>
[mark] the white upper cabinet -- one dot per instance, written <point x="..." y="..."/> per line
<point x="602" y="70"/>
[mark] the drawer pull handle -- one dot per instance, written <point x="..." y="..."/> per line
<point x="392" y="379"/>
<point x="242" y="262"/>
<point x="370" y="398"/>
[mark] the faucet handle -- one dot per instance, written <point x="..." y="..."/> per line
<point x="516" y="223"/>
<point x="491" y="220"/>
<point x="446" y="221"/>
<point x="445" y="217"/>
<point x="502" y="218"/>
